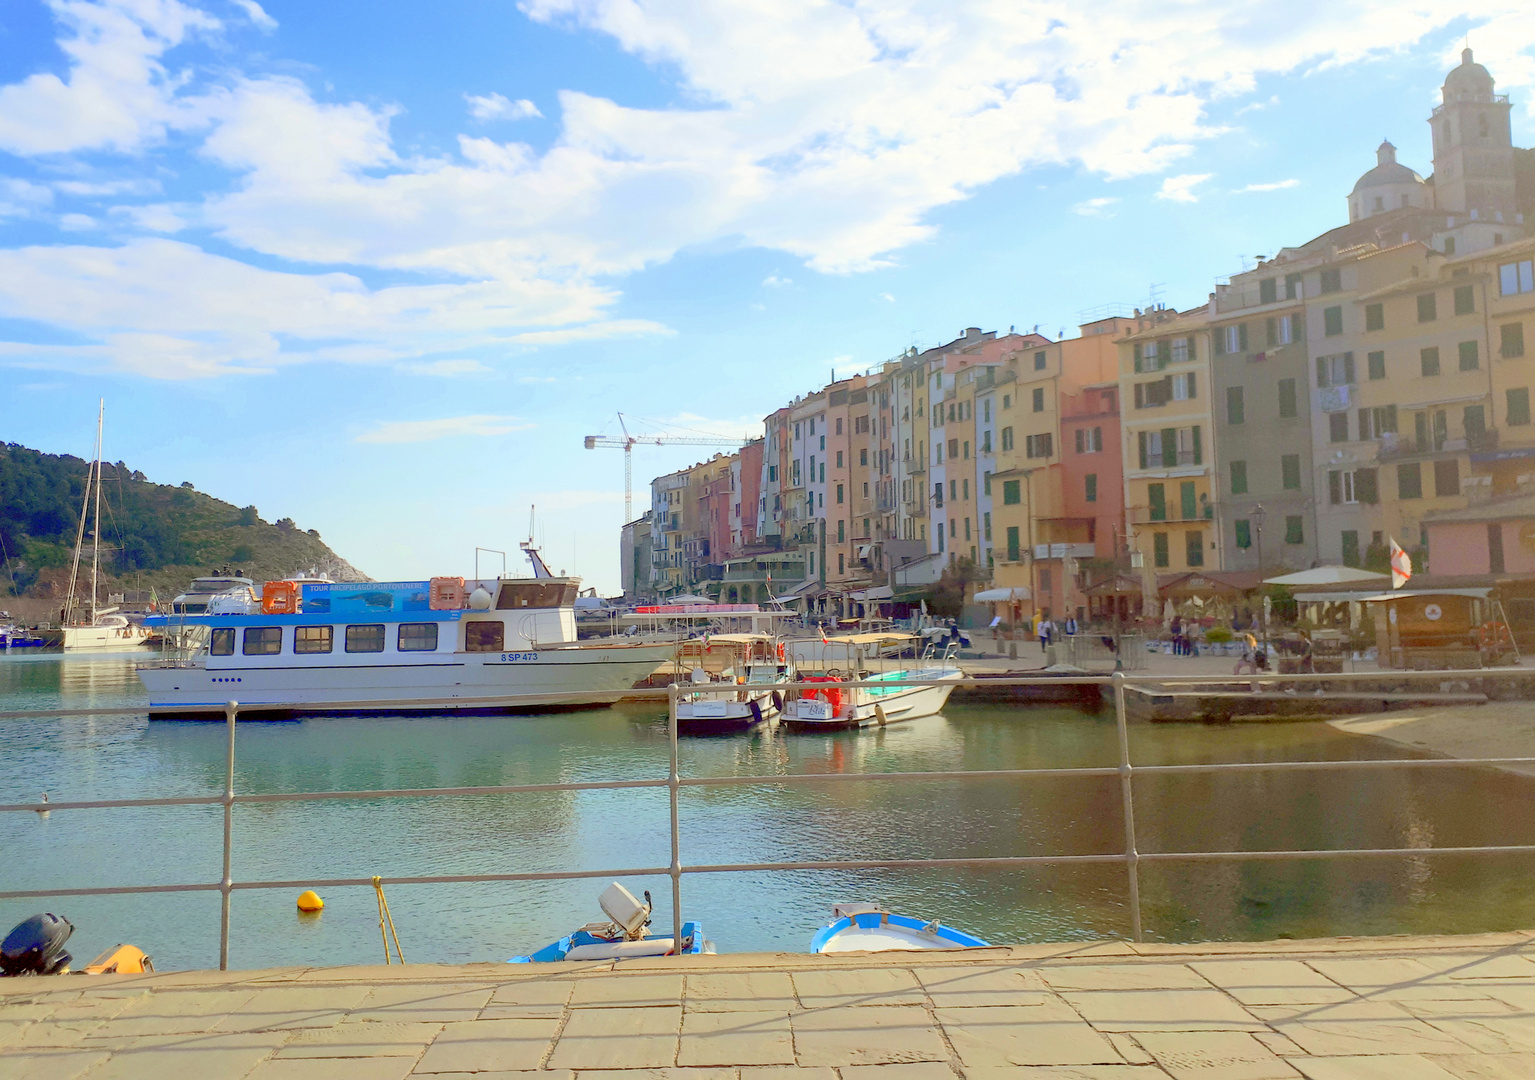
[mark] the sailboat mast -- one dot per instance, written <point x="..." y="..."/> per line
<point x="68" y="614"/>
<point x="96" y="523"/>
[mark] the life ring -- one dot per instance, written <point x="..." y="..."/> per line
<point x="1494" y="634"/>
<point x="832" y="695"/>
<point x="780" y="652"/>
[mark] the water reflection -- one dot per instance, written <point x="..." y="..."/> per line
<point x="124" y="756"/>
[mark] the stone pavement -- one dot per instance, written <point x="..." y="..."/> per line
<point x="1333" y="1009"/>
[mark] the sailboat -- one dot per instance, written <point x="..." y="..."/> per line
<point x="88" y="625"/>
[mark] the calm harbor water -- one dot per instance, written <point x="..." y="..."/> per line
<point x="126" y="756"/>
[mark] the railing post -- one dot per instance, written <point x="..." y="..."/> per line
<point x="672" y="783"/>
<point x="1127" y="799"/>
<point x="229" y="801"/>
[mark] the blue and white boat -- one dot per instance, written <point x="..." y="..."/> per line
<point x="870" y="928"/>
<point x="877" y="658"/>
<point x="625" y="937"/>
<point x="495" y="644"/>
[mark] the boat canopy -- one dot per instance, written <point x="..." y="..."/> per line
<point x="1407" y="594"/>
<point x="1002" y="596"/>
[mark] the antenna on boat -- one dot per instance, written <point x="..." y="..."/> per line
<point x="530" y="549"/>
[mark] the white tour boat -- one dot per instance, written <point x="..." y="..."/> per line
<point x="497" y="644"/>
<point x="866" y="658"/>
<point x="734" y="682"/>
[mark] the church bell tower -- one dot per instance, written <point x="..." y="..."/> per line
<point x="1473" y="146"/>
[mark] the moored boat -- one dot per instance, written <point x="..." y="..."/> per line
<point x="876" y="658"/>
<point x="625" y="937"/>
<point x="734" y="682"/>
<point x="870" y="928"/>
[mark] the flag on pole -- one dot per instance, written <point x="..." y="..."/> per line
<point x="1401" y="565"/>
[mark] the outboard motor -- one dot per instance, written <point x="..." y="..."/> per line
<point x="36" y="946"/>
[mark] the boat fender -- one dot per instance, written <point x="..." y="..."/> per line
<point x="756" y="711"/>
<point x="622" y="950"/>
<point x="309" y="901"/>
<point x="879" y="714"/>
<point x="778" y="701"/>
<point x="780" y="652"/>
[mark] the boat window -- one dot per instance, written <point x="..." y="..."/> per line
<point x="313" y="639"/>
<point x="536" y="594"/>
<point x="262" y="640"/>
<point x="365" y="637"/>
<point x="418" y="637"/>
<point x="484" y="636"/>
<point x="223" y="643"/>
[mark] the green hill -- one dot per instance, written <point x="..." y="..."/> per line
<point x="152" y="535"/>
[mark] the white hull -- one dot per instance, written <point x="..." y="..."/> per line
<point x="861" y="708"/>
<point x="718" y="710"/>
<point x="528" y="680"/>
<point x="98" y="638"/>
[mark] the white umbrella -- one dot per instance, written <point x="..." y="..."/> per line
<point x="1168" y="611"/>
<point x="1327" y="575"/>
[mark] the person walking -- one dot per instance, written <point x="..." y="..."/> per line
<point x="1071" y="626"/>
<point x="1045" y="630"/>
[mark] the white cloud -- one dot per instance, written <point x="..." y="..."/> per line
<point x="1181" y="188"/>
<point x="445" y="368"/>
<point x="1258" y="105"/>
<point x="77" y="222"/>
<point x="95" y="188"/>
<point x="773" y="281"/>
<point x="256" y="14"/>
<point x="416" y="431"/>
<point x="534" y="380"/>
<point x="1094" y="207"/>
<point x="496" y="107"/>
<point x="156" y="217"/>
<point x="887" y="297"/>
<point x="1277" y="185"/>
<point x="18" y="198"/>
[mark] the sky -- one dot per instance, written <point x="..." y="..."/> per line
<point x="379" y="267"/>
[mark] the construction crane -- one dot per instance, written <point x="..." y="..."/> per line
<point x="627" y="442"/>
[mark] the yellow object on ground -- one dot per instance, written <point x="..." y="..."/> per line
<point x="309" y="900"/>
<point x="120" y="960"/>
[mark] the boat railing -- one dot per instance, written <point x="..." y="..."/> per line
<point x="1446" y="686"/>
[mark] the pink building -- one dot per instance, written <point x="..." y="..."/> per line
<point x="1494" y="537"/>
<point x="1092" y="480"/>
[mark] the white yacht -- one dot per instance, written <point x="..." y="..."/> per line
<point x="229" y="586"/>
<point x="496" y="644"/>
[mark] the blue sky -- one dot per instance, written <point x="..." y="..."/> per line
<point x="378" y="267"/>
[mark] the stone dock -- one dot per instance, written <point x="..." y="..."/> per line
<point x="1395" y="1008"/>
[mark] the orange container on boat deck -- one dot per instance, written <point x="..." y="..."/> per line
<point x="279" y="598"/>
<point x="447" y="594"/>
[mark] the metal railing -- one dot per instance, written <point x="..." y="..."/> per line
<point x="1119" y="685"/>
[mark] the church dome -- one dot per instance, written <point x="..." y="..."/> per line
<point x="1388" y="172"/>
<point x="1468" y="82"/>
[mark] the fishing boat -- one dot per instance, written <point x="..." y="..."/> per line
<point x="625" y="936"/>
<point x="86" y="625"/>
<point x="734" y="682"/>
<point x="870" y="928"/>
<point x="19" y="637"/>
<point x="878" y="658"/>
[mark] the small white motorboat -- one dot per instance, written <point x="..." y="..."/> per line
<point x="627" y="936"/>
<point x="734" y="682"/>
<point x="870" y="928"/>
<point x="866" y="658"/>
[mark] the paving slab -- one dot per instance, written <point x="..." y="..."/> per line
<point x="529" y="997"/>
<point x="736" y="1038"/>
<point x="1488" y="1066"/>
<point x="1358" y="1027"/>
<point x="1217" y="1055"/>
<point x="787" y="1072"/>
<point x="1069" y="1072"/>
<point x="647" y="1074"/>
<point x="360" y="1040"/>
<point x="438" y="1003"/>
<point x="740" y="990"/>
<point x="638" y="1038"/>
<point x="1123" y="977"/>
<point x="968" y="987"/>
<point x="488" y="1045"/>
<point x="1272" y="982"/>
<point x="623" y="991"/>
<point x="385" y="1068"/>
<point x="866" y="1035"/>
<point x="286" y="1007"/>
<point x="214" y="1057"/>
<point x="44" y="1063"/>
<point x="1047" y="1034"/>
<point x="915" y="1070"/>
<point x="1162" y="1010"/>
<point x="1376" y="1067"/>
<point x="868" y="986"/>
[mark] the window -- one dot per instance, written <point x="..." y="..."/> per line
<point x="1194" y="548"/>
<point x="1287" y="400"/>
<point x="1428" y="361"/>
<point x="1011" y="492"/>
<point x="1244" y="533"/>
<point x="1350" y="545"/>
<point x="1377" y="421"/>
<point x="1232" y="339"/>
<point x="1090" y="483"/>
<point x="1511" y="343"/>
<point x="1332" y="280"/>
<point x="938" y="493"/>
<point x="1039" y="361"/>
<point x="1007" y="439"/>
<point x="1268" y="291"/>
<point x="1375" y="364"/>
<point x="312" y="639"/>
<point x="1517" y="277"/>
<point x="1447" y="477"/>
<point x="1183" y="350"/>
<point x="772" y="474"/>
<point x="1089" y="440"/>
<point x="986" y="483"/>
<point x="1038" y="446"/>
<point x="1007" y="401"/>
<point x="964" y="490"/>
<point x="1337" y="427"/>
<point x="839" y="494"/>
<point x="1294" y="529"/>
<point x="223" y="643"/>
<point x="839" y="425"/>
<point x="1473" y="421"/>
<point x="1469" y="357"/>
<point x="986" y="410"/>
<point x="1374" y="317"/>
<point x="967" y="449"/>
<point x="986" y="525"/>
<point x="1465" y="300"/>
<point x="1183" y="387"/>
<point x="1186" y="500"/>
<point x="1289" y="472"/>
<point x="417" y="637"/>
<point x="839" y="459"/>
<point x="967" y="528"/>
<point x="365" y="638"/>
<point x="1234" y="410"/>
<point x="1156" y="501"/>
<point x="1013" y="548"/>
<point x="953" y="489"/>
<point x="1288" y="327"/>
<point x="986" y="442"/>
<point x="1239" y="478"/>
<point x="491" y="636"/>
<point x="262" y="641"/>
<point x="863" y="458"/>
<point x="1159" y="550"/>
<point x="1292" y="286"/>
<point x="841" y="531"/>
<point x="1409" y="481"/>
<point x="823" y="442"/>
<point x="1352" y="486"/>
<point x="1039" y="399"/>
<point x="1449" y="245"/>
<point x="1428" y="307"/>
<point x="1335" y="370"/>
<point x="1332" y="321"/>
<point x="1518" y="406"/>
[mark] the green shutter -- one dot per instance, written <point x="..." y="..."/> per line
<point x="1169" y="447"/>
<point x="1244" y="534"/>
<point x="1199" y="457"/>
<point x="1156" y="498"/>
<point x="1141" y="439"/>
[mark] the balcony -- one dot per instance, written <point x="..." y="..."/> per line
<point x="1142" y="515"/>
<point x="915" y="466"/>
<point x="1395" y="447"/>
<point x="1065" y="551"/>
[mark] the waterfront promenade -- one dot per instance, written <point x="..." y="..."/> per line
<point x="1444" y="1008"/>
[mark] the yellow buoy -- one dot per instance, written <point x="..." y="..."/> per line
<point x="309" y="900"/>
